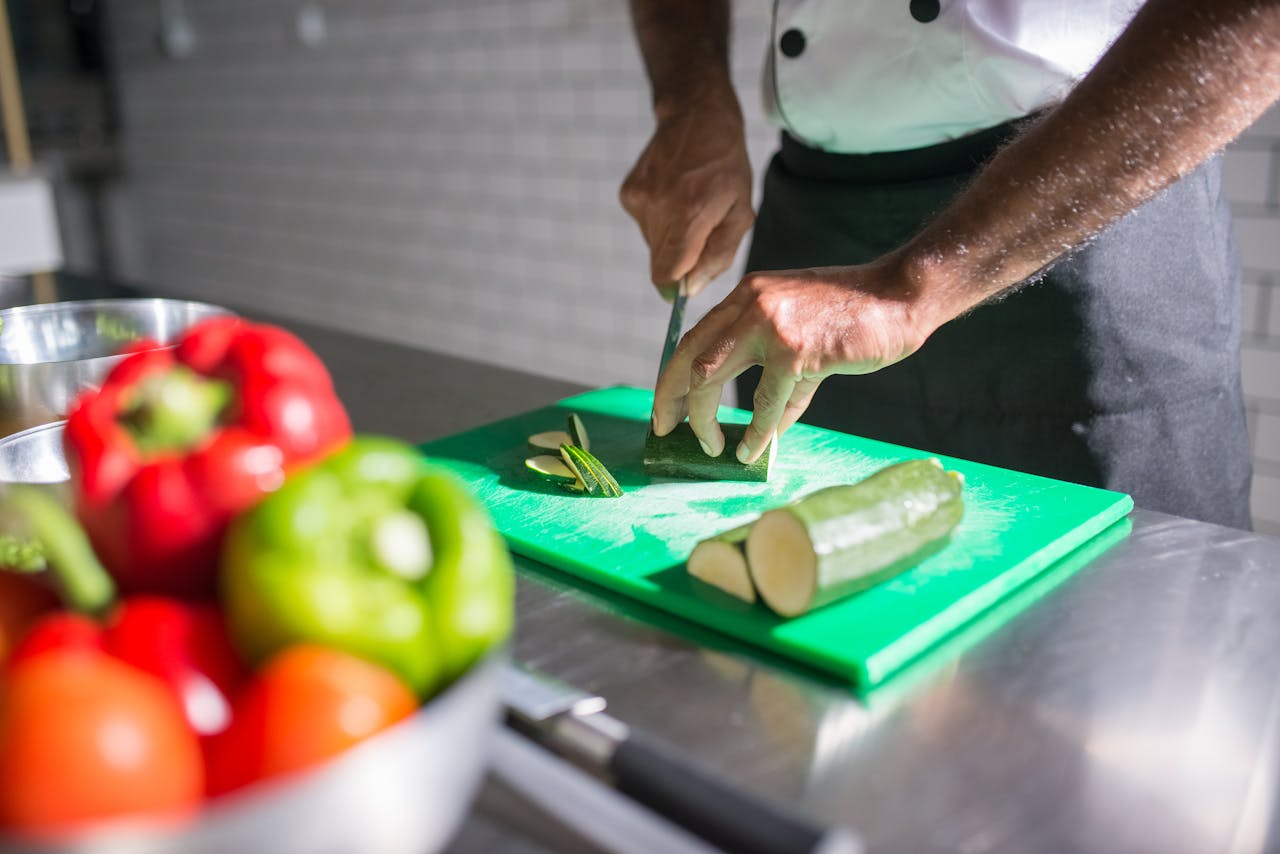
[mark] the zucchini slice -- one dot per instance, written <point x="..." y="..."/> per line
<point x="551" y="468"/>
<point x="550" y="440"/>
<point x="578" y="433"/>
<point x="594" y="476"/>
<point x="843" y="539"/>
<point x="679" y="454"/>
<point x="721" y="562"/>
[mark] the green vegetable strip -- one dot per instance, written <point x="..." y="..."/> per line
<point x="593" y="467"/>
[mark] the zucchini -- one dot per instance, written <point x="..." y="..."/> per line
<point x="721" y="562"/>
<point x="578" y="433"/>
<point x="551" y="468"/>
<point x="595" y="478"/>
<point x="843" y="539"/>
<point x="550" y="440"/>
<point x="679" y="454"/>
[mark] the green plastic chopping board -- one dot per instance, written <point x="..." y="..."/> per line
<point x="1015" y="526"/>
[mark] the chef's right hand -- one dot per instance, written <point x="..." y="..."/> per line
<point x="690" y="193"/>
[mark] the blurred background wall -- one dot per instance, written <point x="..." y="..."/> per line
<point x="438" y="172"/>
<point x="441" y="172"/>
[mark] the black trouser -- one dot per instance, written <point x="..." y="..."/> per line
<point x="1118" y="368"/>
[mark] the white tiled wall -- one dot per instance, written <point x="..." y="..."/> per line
<point x="445" y="172"/>
<point x="442" y="172"/>
<point x="1253" y="185"/>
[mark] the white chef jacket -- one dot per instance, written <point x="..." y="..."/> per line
<point x="865" y="76"/>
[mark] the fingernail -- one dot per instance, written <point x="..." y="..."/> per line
<point x="706" y="449"/>
<point x="743" y="453"/>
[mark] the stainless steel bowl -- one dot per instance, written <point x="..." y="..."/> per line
<point x="404" y="791"/>
<point x="34" y="455"/>
<point x="50" y="352"/>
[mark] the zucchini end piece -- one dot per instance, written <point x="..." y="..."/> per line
<point x="724" y="566"/>
<point x="783" y="563"/>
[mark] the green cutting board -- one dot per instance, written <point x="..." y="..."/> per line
<point x="1015" y="526"/>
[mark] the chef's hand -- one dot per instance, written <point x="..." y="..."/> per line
<point x="802" y="326"/>
<point x="690" y="193"/>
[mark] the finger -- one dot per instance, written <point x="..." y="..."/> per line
<point x="672" y="389"/>
<point x="721" y="247"/>
<point x="724" y="359"/>
<point x="801" y="396"/>
<point x="777" y="382"/>
<point x="681" y="241"/>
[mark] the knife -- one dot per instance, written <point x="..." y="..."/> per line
<point x="674" y="324"/>
<point x="578" y="802"/>
<point x="573" y="724"/>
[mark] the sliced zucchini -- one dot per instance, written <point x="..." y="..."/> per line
<point x="721" y="562"/>
<point x="551" y="468"/>
<point x="578" y="433"/>
<point x="595" y="478"/>
<point x="843" y="539"/>
<point x="679" y="454"/>
<point x="550" y="440"/>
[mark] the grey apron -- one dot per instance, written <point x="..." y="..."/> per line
<point x="1118" y="368"/>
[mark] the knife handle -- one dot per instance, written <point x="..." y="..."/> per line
<point x="729" y="818"/>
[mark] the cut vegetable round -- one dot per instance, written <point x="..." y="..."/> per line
<point x="594" y="476"/>
<point x="843" y="539"/>
<point x="578" y="433"/>
<point x="679" y="454"/>
<point x="551" y="468"/>
<point x="721" y="562"/>
<point x="550" y="440"/>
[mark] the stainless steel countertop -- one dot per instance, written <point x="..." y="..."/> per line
<point x="1133" y="707"/>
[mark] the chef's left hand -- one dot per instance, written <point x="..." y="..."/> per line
<point x="802" y="326"/>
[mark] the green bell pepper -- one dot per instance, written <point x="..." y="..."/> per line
<point x="374" y="552"/>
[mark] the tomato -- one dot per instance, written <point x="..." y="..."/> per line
<point x="21" y="600"/>
<point x="306" y="704"/>
<point x="183" y="644"/>
<point x="84" y="736"/>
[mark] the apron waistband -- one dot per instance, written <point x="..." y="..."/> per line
<point x="914" y="164"/>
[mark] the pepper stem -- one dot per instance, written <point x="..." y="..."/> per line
<point x="175" y="410"/>
<point x="21" y="555"/>
<point x="401" y="544"/>
<point x="64" y="547"/>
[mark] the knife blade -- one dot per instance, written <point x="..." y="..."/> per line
<point x="675" y="323"/>
<point x="574" y="724"/>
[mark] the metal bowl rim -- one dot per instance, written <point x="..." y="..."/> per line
<point x="38" y="309"/>
<point x="60" y="424"/>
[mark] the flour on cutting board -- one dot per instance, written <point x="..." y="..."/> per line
<point x="1014" y="526"/>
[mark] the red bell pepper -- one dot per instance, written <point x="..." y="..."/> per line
<point x="179" y="440"/>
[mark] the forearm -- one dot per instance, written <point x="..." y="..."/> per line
<point x="1181" y="82"/>
<point x="685" y="46"/>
